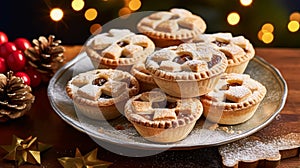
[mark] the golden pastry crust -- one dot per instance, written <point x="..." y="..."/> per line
<point x="145" y="79"/>
<point x="118" y="48"/>
<point x="238" y="50"/>
<point x="172" y="27"/>
<point x="162" y="118"/>
<point x="187" y="70"/>
<point x="101" y="94"/>
<point x="234" y="100"/>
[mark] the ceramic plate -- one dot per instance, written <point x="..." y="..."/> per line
<point x="201" y="136"/>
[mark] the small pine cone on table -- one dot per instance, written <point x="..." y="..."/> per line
<point x="46" y="55"/>
<point x="15" y="97"/>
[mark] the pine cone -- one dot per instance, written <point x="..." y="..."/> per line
<point x="47" y="55"/>
<point x="15" y="97"/>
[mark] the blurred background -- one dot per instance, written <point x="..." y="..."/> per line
<point x="266" y="23"/>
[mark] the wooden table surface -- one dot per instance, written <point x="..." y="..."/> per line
<point x="41" y="121"/>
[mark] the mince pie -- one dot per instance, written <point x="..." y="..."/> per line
<point x="238" y="50"/>
<point x="234" y="100"/>
<point x="101" y="94"/>
<point x="162" y="118"/>
<point x="187" y="70"/>
<point x="172" y="27"/>
<point x="145" y="79"/>
<point x="118" y="49"/>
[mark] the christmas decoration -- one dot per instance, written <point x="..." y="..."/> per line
<point x="35" y="77"/>
<point x="47" y="55"/>
<point x="24" y="77"/>
<point x="3" y="66"/>
<point x="15" y="97"/>
<point x="22" y="43"/>
<point x="89" y="160"/>
<point x="22" y="151"/>
<point x="6" y="49"/>
<point x="3" y="38"/>
<point x="16" y="61"/>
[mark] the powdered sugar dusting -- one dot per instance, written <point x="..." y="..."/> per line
<point x="255" y="148"/>
<point x="258" y="70"/>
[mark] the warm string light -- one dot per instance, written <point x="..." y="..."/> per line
<point x="77" y="5"/>
<point x="90" y="14"/>
<point x="95" y="28"/>
<point x="129" y="7"/>
<point x="266" y="33"/>
<point x="295" y="16"/>
<point x="293" y="25"/>
<point x="267" y="27"/>
<point x="56" y="14"/>
<point x="134" y="5"/>
<point x="267" y="37"/>
<point x="233" y="18"/>
<point x="246" y="2"/>
<point x="260" y="34"/>
<point x="124" y="12"/>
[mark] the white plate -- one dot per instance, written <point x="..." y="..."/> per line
<point x="258" y="69"/>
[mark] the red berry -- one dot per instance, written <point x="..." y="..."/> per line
<point x="3" y="66"/>
<point x="16" y="61"/>
<point x="6" y="49"/>
<point x="35" y="77"/>
<point x="3" y="38"/>
<point x="24" y="76"/>
<point x="22" y="43"/>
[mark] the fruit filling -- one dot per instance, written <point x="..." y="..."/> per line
<point x="164" y="104"/>
<point x="220" y="44"/>
<point x="105" y="96"/>
<point x="122" y="43"/>
<point x="182" y="59"/>
<point x="214" y="60"/>
<point x="99" y="81"/>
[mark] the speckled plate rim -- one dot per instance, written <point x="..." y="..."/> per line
<point x="156" y="146"/>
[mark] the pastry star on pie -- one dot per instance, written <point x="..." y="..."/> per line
<point x="172" y="27"/>
<point x="163" y="118"/>
<point x="187" y="70"/>
<point x="234" y="99"/>
<point x="118" y="49"/>
<point x="238" y="50"/>
<point x="101" y="94"/>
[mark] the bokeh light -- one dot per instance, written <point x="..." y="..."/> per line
<point x="246" y="2"/>
<point x="267" y="27"/>
<point x="124" y="12"/>
<point x="267" y="37"/>
<point x="90" y="14"/>
<point x="233" y="18"/>
<point x="295" y="16"/>
<point x="95" y="28"/>
<point x="266" y="33"/>
<point x="77" y="5"/>
<point x="260" y="34"/>
<point x="56" y="14"/>
<point x="293" y="26"/>
<point x="134" y="5"/>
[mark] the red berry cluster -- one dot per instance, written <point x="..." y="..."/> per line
<point x="12" y="59"/>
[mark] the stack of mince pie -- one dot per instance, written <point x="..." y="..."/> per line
<point x="163" y="79"/>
